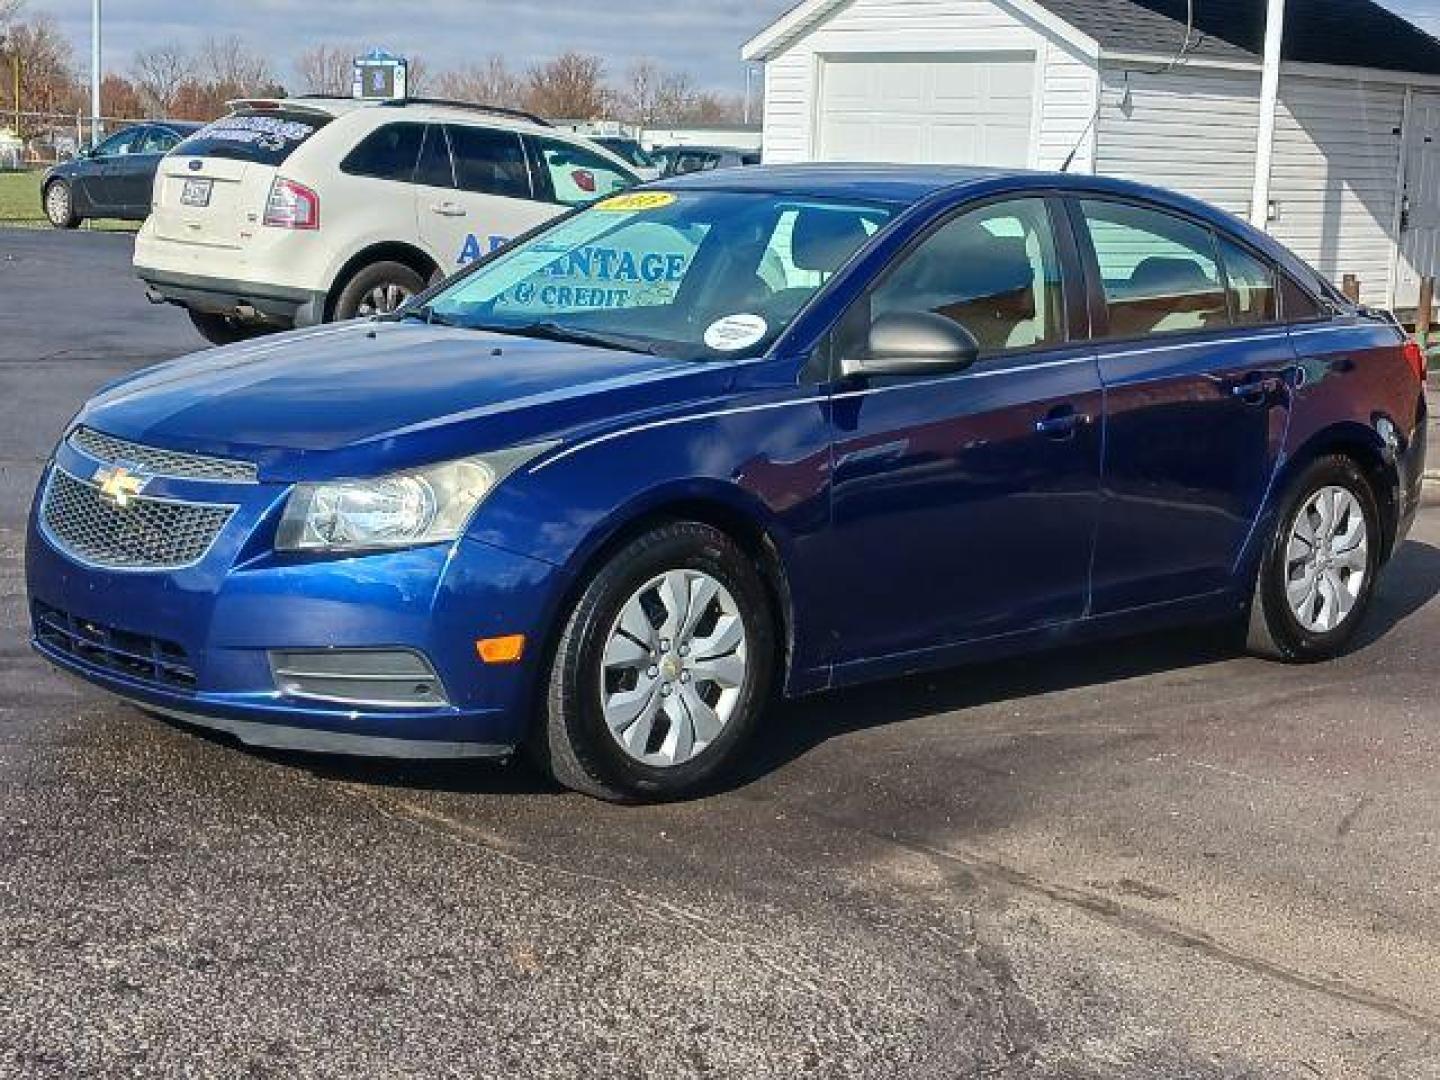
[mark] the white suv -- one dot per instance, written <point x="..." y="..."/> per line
<point x="307" y="210"/>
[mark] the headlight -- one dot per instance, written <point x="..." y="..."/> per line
<point x="423" y="506"/>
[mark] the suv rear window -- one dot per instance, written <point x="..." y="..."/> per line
<point x="264" y="136"/>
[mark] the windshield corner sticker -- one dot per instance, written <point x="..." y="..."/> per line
<point x="635" y="200"/>
<point x="735" y="332"/>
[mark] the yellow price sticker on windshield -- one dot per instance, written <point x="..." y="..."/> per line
<point x="636" y="200"/>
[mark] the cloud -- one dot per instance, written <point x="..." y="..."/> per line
<point x="702" y="37"/>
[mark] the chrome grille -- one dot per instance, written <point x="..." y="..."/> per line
<point x="146" y="534"/>
<point x="158" y="462"/>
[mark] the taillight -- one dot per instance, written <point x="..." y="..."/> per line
<point x="584" y="179"/>
<point x="292" y="206"/>
<point x="1415" y="357"/>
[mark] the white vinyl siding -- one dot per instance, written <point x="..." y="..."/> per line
<point x="1062" y="101"/>
<point x="1333" y="179"/>
<point x="1189" y="130"/>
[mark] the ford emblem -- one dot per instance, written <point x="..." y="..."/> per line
<point x="196" y="164"/>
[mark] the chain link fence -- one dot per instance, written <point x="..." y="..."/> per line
<point x="36" y="140"/>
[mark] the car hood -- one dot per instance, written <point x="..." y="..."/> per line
<point x="363" y="396"/>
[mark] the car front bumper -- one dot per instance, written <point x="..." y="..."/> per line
<point x="196" y="643"/>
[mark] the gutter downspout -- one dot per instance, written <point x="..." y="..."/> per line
<point x="1269" y="93"/>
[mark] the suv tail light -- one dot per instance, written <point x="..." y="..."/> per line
<point x="584" y="179"/>
<point x="292" y="206"/>
<point x="1415" y="357"/>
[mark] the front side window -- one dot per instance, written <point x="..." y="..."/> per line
<point x="694" y="275"/>
<point x="1252" y="285"/>
<point x="387" y="153"/>
<point x="1159" y="271"/>
<point x="993" y="270"/>
<point x="489" y="161"/>
<point x="578" y="176"/>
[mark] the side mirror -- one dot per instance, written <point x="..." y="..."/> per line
<point x="914" y="343"/>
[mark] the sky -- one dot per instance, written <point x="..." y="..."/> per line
<point x="701" y="37"/>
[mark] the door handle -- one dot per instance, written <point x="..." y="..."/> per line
<point x="448" y="209"/>
<point x="1257" y="391"/>
<point x="1061" y="422"/>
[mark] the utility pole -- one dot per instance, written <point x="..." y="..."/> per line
<point x="749" y="71"/>
<point x="1269" y="94"/>
<point x="94" y="72"/>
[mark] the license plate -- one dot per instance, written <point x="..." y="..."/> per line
<point x="196" y="192"/>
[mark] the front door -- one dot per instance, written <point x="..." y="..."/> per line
<point x="1198" y="380"/>
<point x="1420" y="199"/>
<point x="964" y="506"/>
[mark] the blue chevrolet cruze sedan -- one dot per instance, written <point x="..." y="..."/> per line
<point x="743" y="434"/>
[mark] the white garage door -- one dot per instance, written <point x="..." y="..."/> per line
<point x="971" y="109"/>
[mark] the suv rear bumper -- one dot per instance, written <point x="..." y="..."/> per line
<point x="245" y="300"/>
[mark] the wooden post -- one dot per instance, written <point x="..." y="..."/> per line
<point x="1350" y="286"/>
<point x="1422" y="312"/>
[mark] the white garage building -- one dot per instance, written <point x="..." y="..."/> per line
<point x="1121" y="87"/>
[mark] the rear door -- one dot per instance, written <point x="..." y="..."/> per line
<point x="135" y="176"/>
<point x="1198" y="376"/>
<point x="212" y="190"/>
<point x="491" y="196"/>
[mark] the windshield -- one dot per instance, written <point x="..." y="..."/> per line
<point x="699" y="275"/>
<point x="628" y="150"/>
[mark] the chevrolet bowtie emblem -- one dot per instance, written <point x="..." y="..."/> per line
<point x="119" y="485"/>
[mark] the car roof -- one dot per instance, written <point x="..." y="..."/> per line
<point x="887" y="183"/>
<point x="412" y="108"/>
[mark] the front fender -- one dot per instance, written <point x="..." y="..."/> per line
<point x="764" y="462"/>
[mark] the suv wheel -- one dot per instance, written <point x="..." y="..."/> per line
<point x="222" y="329"/>
<point x="1318" y="574"/>
<point x="60" y="205"/>
<point x="662" y="669"/>
<point x="377" y="289"/>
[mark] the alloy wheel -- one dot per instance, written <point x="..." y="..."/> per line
<point x="673" y="668"/>
<point x="57" y="204"/>
<point x="383" y="299"/>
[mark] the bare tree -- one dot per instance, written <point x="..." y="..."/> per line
<point x="327" y="69"/>
<point x="490" y="83"/>
<point x="231" y="66"/>
<point x="10" y="11"/>
<point x="572" y="85"/>
<point x="47" y="73"/>
<point x="158" y="73"/>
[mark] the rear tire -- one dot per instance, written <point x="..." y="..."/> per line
<point x="377" y="289"/>
<point x="1317" y="575"/>
<point x="678" y="623"/>
<point x="59" y="203"/>
<point x="222" y="329"/>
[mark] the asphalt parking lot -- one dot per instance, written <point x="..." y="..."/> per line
<point x="1153" y="858"/>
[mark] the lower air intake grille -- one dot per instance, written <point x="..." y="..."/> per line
<point x="145" y="658"/>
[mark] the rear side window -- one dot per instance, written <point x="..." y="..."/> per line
<point x="262" y="136"/>
<point x="576" y="175"/>
<point x="387" y="153"/>
<point x="490" y="162"/>
<point x="435" y="168"/>
<point x="1159" y="271"/>
<point x="1252" y="285"/>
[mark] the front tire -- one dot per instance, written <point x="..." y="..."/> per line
<point x="1317" y="575"/>
<point x="662" y="669"/>
<point x="377" y="289"/>
<point x="59" y="203"/>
